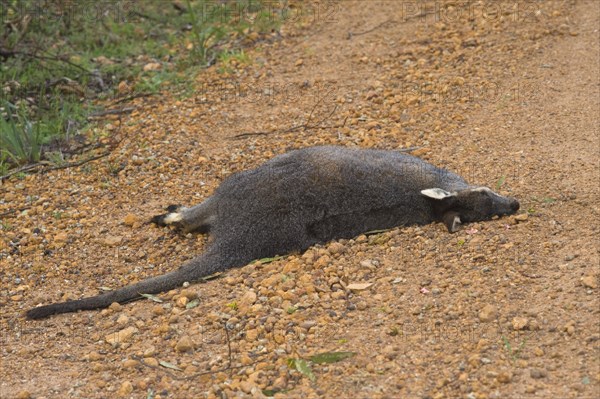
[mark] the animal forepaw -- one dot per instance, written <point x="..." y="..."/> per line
<point x="452" y="221"/>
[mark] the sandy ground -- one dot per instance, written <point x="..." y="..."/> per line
<point x="505" y="94"/>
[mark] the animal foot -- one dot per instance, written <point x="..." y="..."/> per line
<point x="173" y="208"/>
<point x="172" y="217"/>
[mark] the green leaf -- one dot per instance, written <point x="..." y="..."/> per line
<point x="303" y="367"/>
<point x="507" y="345"/>
<point x="500" y="182"/>
<point x="192" y="304"/>
<point x="394" y="331"/>
<point x="211" y="276"/>
<point x="331" y="357"/>
<point x="169" y="365"/>
<point x="267" y="260"/>
<point x="585" y="380"/>
<point x="373" y="232"/>
<point x="152" y="298"/>
<point x="291" y="309"/>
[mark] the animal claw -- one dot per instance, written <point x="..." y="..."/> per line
<point x="172" y="208"/>
<point x="159" y="220"/>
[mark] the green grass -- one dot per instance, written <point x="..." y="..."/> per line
<point x="514" y="354"/>
<point x="291" y="310"/>
<point x="20" y="139"/>
<point x="5" y="226"/>
<point x="227" y="58"/>
<point x="500" y="182"/>
<point x="61" y="57"/>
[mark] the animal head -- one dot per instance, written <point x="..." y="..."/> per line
<point x="469" y="205"/>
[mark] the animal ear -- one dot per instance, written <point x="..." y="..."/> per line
<point x="437" y="193"/>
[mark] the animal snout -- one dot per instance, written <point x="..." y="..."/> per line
<point x="514" y="205"/>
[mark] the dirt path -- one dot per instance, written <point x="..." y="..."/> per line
<point x="506" y="308"/>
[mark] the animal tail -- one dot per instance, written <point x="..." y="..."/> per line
<point x="206" y="264"/>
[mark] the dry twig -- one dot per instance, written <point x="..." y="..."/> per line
<point x="352" y="34"/>
<point x="4" y="53"/>
<point x="78" y="163"/>
<point x="306" y="125"/>
<point x="229" y="366"/>
<point x="116" y="111"/>
<point x="11" y="211"/>
<point x="525" y="274"/>
<point x="133" y="96"/>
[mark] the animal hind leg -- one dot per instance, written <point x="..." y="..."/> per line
<point x="198" y="218"/>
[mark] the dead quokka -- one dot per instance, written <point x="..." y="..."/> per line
<point x="304" y="197"/>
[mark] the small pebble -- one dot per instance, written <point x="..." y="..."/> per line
<point x="504" y="377"/>
<point x="538" y="373"/>
<point x="61" y="237"/>
<point x="519" y="323"/>
<point x="245" y="360"/>
<point x="130" y="219"/>
<point x="184" y="344"/>
<point x="487" y="313"/>
<point x="336" y="248"/>
<point x="158" y="310"/>
<point x="94" y="356"/>
<point x="151" y="361"/>
<point x="24" y="394"/>
<point x="538" y="351"/>
<point x="280" y="383"/>
<point x="121" y="336"/>
<point x="115" y="307"/>
<point x="181" y="302"/>
<point x="122" y="320"/>
<point x="150" y="351"/>
<point x="112" y="241"/>
<point x="521" y="217"/>
<point x="589" y="281"/>
<point x="251" y="335"/>
<point x="130" y="363"/>
<point x="246" y="386"/>
<point x="125" y="389"/>
<point x="247" y="300"/>
<point x="189" y="293"/>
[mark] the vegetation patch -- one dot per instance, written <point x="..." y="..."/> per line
<point x="60" y="61"/>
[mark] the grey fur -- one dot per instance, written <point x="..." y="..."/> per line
<point x="304" y="197"/>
